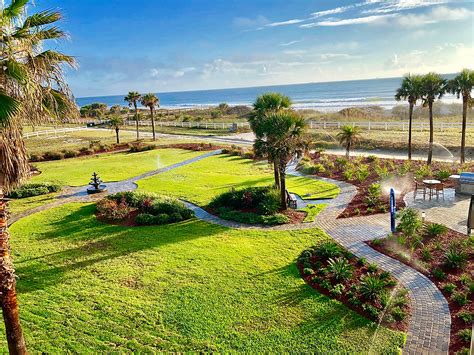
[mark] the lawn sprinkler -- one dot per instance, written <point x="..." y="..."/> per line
<point x="393" y="209"/>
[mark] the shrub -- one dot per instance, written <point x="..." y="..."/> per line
<point x="435" y="229"/>
<point x="34" y="189"/>
<point x="466" y="316"/>
<point x="439" y="274"/>
<point x="112" y="210"/>
<point x="140" y="147"/>
<point x="35" y="158"/>
<point x="52" y="156"/>
<point x="449" y="288"/>
<point x="342" y="162"/>
<point x="443" y="175"/>
<point x="372" y="268"/>
<point x="371" y="310"/>
<point x="340" y="269"/>
<point x="70" y="153"/>
<point x="455" y="257"/>
<point x="362" y="261"/>
<point x="374" y="192"/>
<point x="337" y="289"/>
<point x="426" y="254"/>
<point x="371" y="286"/>
<point x="465" y="335"/>
<point x="410" y="222"/>
<point x="459" y="297"/>
<point x="423" y="172"/>
<point x="362" y="173"/>
<point x="308" y="271"/>
<point x="382" y="171"/>
<point x="328" y="249"/>
<point x="398" y="314"/>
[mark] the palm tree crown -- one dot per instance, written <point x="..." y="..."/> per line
<point x="132" y="98"/>
<point x="462" y="84"/>
<point x="265" y="104"/>
<point x="348" y="136"/>
<point x="433" y="87"/>
<point x="410" y="89"/>
<point x="150" y="100"/>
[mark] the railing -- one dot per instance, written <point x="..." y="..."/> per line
<point x="368" y="125"/>
<point x="50" y="132"/>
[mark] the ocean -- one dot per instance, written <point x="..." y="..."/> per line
<point x="329" y="96"/>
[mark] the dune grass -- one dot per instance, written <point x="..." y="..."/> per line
<point x="86" y="287"/>
<point x="110" y="167"/>
<point x="203" y="180"/>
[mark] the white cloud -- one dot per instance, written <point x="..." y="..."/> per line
<point x="350" y="21"/>
<point x="284" y="23"/>
<point x="334" y="11"/>
<point x="438" y="14"/>
<point x="400" y="5"/>
<point x="286" y="44"/>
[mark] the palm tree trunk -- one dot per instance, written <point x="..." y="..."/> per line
<point x="16" y="343"/>
<point x="348" y="149"/>
<point x="276" y="173"/>
<point x="410" y="120"/>
<point x="430" y="148"/>
<point x="463" y="132"/>
<point x="136" y="119"/>
<point x="117" y="134"/>
<point x="284" y="204"/>
<point x="153" y="124"/>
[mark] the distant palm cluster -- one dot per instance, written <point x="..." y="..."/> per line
<point x="427" y="89"/>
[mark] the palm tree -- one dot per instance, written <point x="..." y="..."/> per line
<point x="348" y="137"/>
<point x="410" y="90"/>
<point x="433" y="87"/>
<point x="282" y="138"/>
<point x="116" y="122"/>
<point x="265" y="104"/>
<point x="32" y="90"/>
<point x="462" y="85"/>
<point x="132" y="98"/>
<point x="151" y="100"/>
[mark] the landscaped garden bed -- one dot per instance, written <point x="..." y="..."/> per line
<point x="363" y="287"/>
<point x="138" y="208"/>
<point x="374" y="177"/>
<point x="443" y="255"/>
<point x="253" y="205"/>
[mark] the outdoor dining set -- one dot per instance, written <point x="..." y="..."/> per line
<point x="463" y="185"/>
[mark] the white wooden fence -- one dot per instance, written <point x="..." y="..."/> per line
<point x="52" y="132"/>
<point x="368" y="125"/>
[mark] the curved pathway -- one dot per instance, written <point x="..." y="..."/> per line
<point x="429" y="329"/>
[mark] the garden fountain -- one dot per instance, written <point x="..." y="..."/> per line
<point x="96" y="184"/>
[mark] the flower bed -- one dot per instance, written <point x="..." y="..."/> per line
<point x="446" y="257"/>
<point x="138" y="208"/>
<point x="337" y="273"/>
<point x="253" y="205"/>
<point x="373" y="178"/>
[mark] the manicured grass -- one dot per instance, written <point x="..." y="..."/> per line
<point x="201" y="181"/>
<point x="110" y="167"/>
<point x="85" y="286"/>
<point x="312" y="211"/>
<point x="23" y="204"/>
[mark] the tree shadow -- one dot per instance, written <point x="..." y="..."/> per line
<point x="95" y="242"/>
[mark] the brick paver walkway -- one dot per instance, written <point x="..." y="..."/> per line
<point x="429" y="328"/>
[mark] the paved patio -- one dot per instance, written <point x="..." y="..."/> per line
<point x="451" y="211"/>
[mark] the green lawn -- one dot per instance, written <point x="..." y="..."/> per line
<point x="201" y="181"/>
<point x="312" y="211"/>
<point x="22" y="204"/>
<point x="110" y="167"/>
<point x="85" y="287"/>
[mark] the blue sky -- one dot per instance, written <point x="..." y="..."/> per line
<point x="174" y="45"/>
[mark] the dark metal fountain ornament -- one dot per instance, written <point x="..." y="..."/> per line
<point x="96" y="185"/>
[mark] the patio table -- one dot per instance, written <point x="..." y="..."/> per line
<point x="431" y="184"/>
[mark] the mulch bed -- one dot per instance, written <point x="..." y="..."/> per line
<point x="402" y="184"/>
<point x="129" y="221"/>
<point x="437" y="247"/>
<point x="358" y="272"/>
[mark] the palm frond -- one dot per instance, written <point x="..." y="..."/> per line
<point x="15" y="9"/>
<point x="41" y="18"/>
<point x="9" y="107"/>
<point x="15" y="70"/>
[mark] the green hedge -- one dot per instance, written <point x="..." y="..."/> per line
<point x="34" y="189"/>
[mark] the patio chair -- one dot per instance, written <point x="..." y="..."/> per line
<point x="291" y="200"/>
<point x="439" y="190"/>
<point x="419" y="186"/>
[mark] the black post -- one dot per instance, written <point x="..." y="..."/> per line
<point x="470" y="216"/>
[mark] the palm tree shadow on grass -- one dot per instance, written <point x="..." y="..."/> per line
<point x="95" y="242"/>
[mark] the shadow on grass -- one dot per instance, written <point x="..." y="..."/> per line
<point x="95" y="242"/>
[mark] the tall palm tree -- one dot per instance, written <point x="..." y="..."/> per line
<point x="433" y="87"/>
<point x="151" y="100"/>
<point x="32" y="90"/>
<point x="282" y="137"/>
<point x="132" y="98"/>
<point x="116" y="122"/>
<point x="265" y="104"/>
<point x="462" y="85"/>
<point x="348" y="136"/>
<point x="410" y="90"/>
